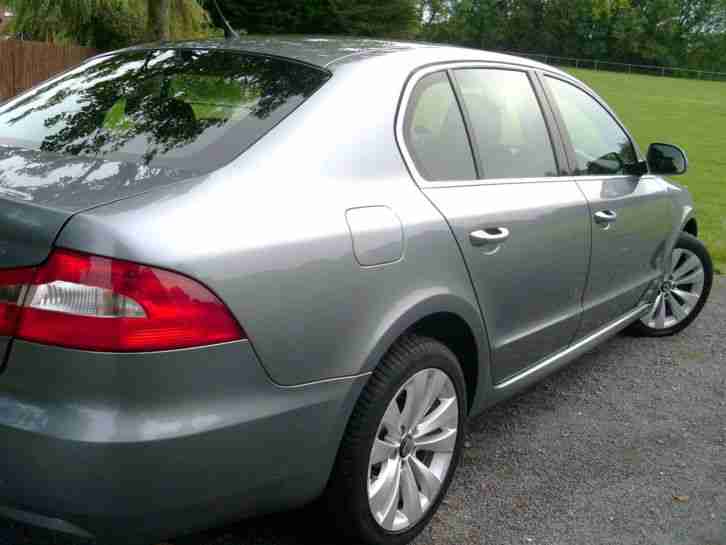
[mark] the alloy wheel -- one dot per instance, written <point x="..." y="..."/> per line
<point x="679" y="293"/>
<point x="413" y="450"/>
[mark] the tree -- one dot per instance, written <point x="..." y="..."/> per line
<point x="397" y="18"/>
<point x="108" y="24"/>
<point x="159" y="23"/>
<point x="688" y="33"/>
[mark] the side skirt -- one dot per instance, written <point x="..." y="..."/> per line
<point x="540" y="370"/>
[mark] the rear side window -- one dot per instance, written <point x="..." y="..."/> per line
<point x="435" y="133"/>
<point x="186" y="109"/>
<point x="508" y="127"/>
<point x="601" y="146"/>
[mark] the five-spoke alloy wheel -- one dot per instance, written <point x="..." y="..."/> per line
<point x="402" y="444"/>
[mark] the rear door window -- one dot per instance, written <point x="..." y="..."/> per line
<point x="601" y="146"/>
<point x="435" y="132"/>
<point x="508" y="127"/>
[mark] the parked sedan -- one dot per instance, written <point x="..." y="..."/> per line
<point x="239" y="276"/>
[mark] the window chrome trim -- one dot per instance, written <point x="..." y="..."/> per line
<point x="606" y="178"/>
<point x="496" y="181"/>
<point x="403" y="106"/>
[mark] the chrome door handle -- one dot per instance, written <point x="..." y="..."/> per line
<point x="606" y="217"/>
<point x="494" y="235"/>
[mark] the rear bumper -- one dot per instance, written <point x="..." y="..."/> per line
<point x="129" y="446"/>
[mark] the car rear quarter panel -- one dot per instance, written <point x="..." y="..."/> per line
<point x="164" y="442"/>
<point x="268" y="234"/>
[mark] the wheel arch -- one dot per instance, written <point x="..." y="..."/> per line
<point x="453" y="321"/>
<point x="691" y="227"/>
<point x="453" y="332"/>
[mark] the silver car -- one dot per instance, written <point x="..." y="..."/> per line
<point x="239" y="276"/>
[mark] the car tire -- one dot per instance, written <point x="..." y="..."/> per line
<point x="411" y="371"/>
<point x="692" y="262"/>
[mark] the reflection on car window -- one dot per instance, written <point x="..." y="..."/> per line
<point x="601" y="145"/>
<point x="508" y="125"/>
<point x="186" y="109"/>
<point x="435" y="133"/>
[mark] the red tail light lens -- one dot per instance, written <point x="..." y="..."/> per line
<point x="96" y="303"/>
<point x="13" y="285"/>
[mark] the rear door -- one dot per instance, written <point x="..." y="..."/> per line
<point x="630" y="216"/>
<point x="480" y="147"/>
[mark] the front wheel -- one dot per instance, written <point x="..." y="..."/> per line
<point x="682" y="294"/>
<point x="402" y="445"/>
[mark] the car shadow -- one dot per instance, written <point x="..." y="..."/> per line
<point x="304" y="526"/>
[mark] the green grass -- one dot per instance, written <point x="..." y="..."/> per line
<point x="689" y="113"/>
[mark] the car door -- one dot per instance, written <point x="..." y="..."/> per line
<point x="630" y="213"/>
<point x="480" y="147"/>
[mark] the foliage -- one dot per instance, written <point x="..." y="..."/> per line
<point x="662" y="32"/>
<point x="107" y="24"/>
<point x="358" y="17"/>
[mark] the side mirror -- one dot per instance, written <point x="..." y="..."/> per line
<point x="667" y="160"/>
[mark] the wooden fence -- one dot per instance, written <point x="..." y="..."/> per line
<point x="24" y="64"/>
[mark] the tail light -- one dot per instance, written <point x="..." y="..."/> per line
<point x="97" y="303"/>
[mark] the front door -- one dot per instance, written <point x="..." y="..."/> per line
<point x="523" y="230"/>
<point x="630" y="214"/>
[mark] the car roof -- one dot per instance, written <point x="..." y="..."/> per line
<point x="332" y="52"/>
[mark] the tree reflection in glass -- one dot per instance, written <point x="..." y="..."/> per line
<point x="171" y="107"/>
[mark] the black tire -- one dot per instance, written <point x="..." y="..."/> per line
<point x="691" y="243"/>
<point x="346" y="499"/>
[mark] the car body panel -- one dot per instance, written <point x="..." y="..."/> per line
<point x="627" y="256"/>
<point x="530" y="287"/>
<point x="27" y="232"/>
<point x="196" y="436"/>
<point x="321" y="51"/>
<point x="40" y="192"/>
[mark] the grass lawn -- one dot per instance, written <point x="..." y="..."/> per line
<point x="689" y="113"/>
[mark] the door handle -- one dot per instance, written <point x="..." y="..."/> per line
<point x="606" y="217"/>
<point x="494" y="235"/>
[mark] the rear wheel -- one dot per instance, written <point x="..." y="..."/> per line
<point x="402" y="445"/>
<point x="683" y="292"/>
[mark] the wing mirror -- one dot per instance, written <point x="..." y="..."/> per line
<point x="667" y="160"/>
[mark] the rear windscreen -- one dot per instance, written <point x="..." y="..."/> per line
<point x="186" y="109"/>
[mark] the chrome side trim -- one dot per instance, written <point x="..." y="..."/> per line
<point x="42" y="521"/>
<point x="324" y="381"/>
<point x="575" y="350"/>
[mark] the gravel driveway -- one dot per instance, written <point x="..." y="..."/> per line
<point x="626" y="446"/>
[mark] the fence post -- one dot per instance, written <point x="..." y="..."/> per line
<point x="596" y="63"/>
